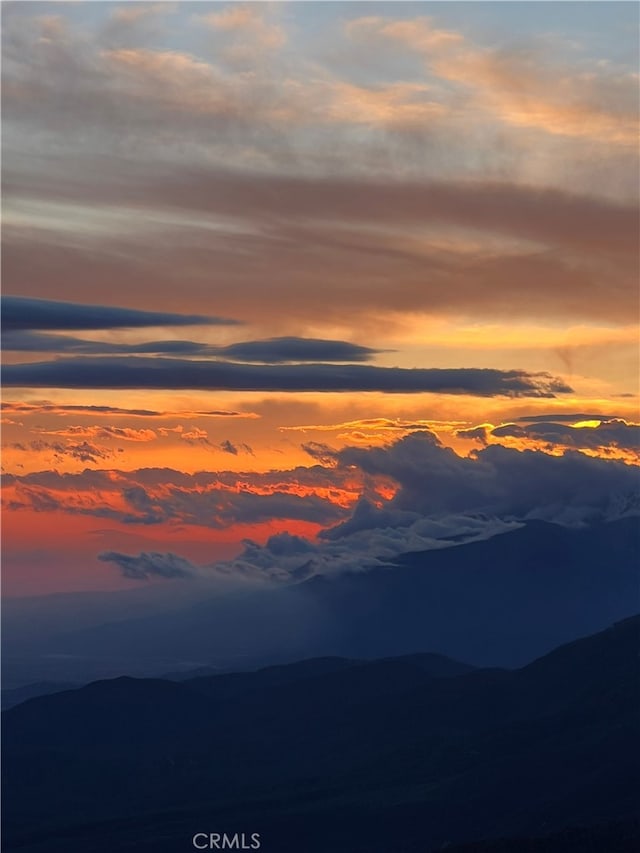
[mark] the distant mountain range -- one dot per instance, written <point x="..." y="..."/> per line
<point x="337" y="756"/>
<point x="11" y="698"/>
<point x="496" y="602"/>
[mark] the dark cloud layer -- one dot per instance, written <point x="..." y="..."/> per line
<point x="496" y="480"/>
<point x="19" y="312"/>
<point x="279" y="350"/>
<point x="271" y="351"/>
<point x="175" y="374"/>
<point x="27" y="341"/>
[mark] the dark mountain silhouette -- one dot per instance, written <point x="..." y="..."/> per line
<point x="496" y="602"/>
<point x="433" y="664"/>
<point x="619" y="837"/>
<point x="333" y="756"/>
<point x="500" y="601"/>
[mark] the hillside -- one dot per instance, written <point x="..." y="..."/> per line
<point x="332" y="757"/>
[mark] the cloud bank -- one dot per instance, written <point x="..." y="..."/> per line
<point x="442" y="499"/>
<point x="221" y="376"/>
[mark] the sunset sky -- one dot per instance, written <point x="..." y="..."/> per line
<point x="365" y="274"/>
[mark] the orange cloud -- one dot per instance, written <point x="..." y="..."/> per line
<point x="395" y="424"/>
<point x="521" y="88"/>
<point x="122" y="433"/>
<point x="47" y="408"/>
<point x="250" y="23"/>
<point x="396" y="103"/>
<point x="219" y="500"/>
<point x="195" y="434"/>
<point x="606" y="438"/>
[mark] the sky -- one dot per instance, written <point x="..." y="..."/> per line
<point x="292" y="287"/>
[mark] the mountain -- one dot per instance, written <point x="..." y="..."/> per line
<point x="495" y="602"/>
<point x="15" y="696"/>
<point x="333" y="756"/>
<point x="617" y="837"/>
<point x="434" y="664"/>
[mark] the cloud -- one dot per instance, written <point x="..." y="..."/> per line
<point x="291" y="349"/>
<point x="153" y="91"/>
<point x="603" y="435"/>
<point x="438" y="500"/>
<point x="148" y="565"/>
<point x="546" y="215"/>
<point x="134" y="23"/>
<point x="496" y="480"/>
<point x="484" y="247"/>
<point x="567" y="417"/>
<point x="124" y="82"/>
<point x="247" y="507"/>
<point x="26" y="313"/>
<point x="26" y="408"/>
<point x="162" y="481"/>
<point x="120" y="433"/>
<point x="377" y="424"/>
<point x="82" y="451"/>
<point x="272" y="351"/>
<point x="254" y="32"/>
<point x="27" y="341"/>
<point x="521" y="87"/>
<point x="323" y="453"/>
<point x="443" y="499"/>
<point x="165" y="431"/>
<point x="217" y="376"/>
<point x="399" y="105"/>
<point x="195" y="435"/>
<point x="216" y="500"/>
<point x="228" y="447"/>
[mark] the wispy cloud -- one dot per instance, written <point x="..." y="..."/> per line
<point x="524" y="87"/>
<point x="30" y="408"/>
<point x="103" y="432"/>
<point x="81" y="451"/>
<point x="477" y="249"/>
<point x="147" y="565"/>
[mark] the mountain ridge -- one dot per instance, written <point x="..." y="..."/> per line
<point x="467" y="602"/>
<point x="354" y="748"/>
